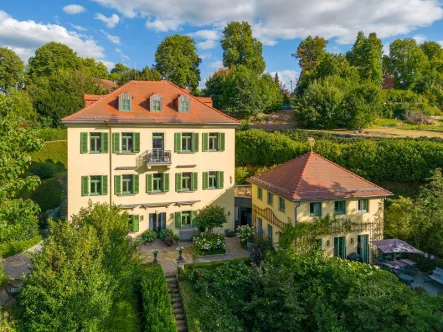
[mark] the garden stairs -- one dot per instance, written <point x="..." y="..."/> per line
<point x="177" y="306"/>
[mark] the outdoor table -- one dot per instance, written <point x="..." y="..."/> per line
<point x="408" y="280"/>
<point x="408" y="261"/>
<point x="400" y="264"/>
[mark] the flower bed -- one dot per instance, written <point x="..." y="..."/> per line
<point x="209" y="244"/>
<point x="245" y="233"/>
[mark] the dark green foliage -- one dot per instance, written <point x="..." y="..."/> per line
<point x="176" y="58"/>
<point x="241" y="49"/>
<point x="11" y="69"/>
<point x="44" y="170"/>
<point x="210" y="217"/>
<point x="304" y="292"/>
<point x="400" y="103"/>
<point x="124" y="315"/>
<point x="400" y="160"/>
<point x="53" y="134"/>
<point x="48" y="195"/>
<point x="12" y="248"/>
<point x="18" y="220"/>
<point x="165" y="233"/>
<point x="54" y="152"/>
<point x="157" y="311"/>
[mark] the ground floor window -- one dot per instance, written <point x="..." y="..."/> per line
<point x="363" y="247"/>
<point x="340" y="247"/>
<point x="270" y="234"/>
<point x="157" y="221"/>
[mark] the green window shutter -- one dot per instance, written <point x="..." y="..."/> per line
<point x="84" y="142"/>
<point x="178" y="182"/>
<point x="221" y="142"/>
<point x="104" y="185"/>
<point x="205" y="180"/>
<point x="120" y="102"/>
<point x="136" y="142"/>
<point x="116" y="142"/>
<point x="177" y="142"/>
<point x="178" y="220"/>
<point x="205" y="137"/>
<point x="135" y="223"/>
<point x="195" y="142"/>
<point x="105" y="142"/>
<point x="165" y="182"/>
<point x="149" y="183"/>
<point x="117" y="184"/>
<point x="135" y="184"/>
<point x="220" y="179"/>
<point x="85" y="185"/>
<point x="194" y="181"/>
<point x="193" y="219"/>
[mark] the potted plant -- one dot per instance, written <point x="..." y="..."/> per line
<point x="246" y="235"/>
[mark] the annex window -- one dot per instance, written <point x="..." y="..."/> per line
<point x="124" y="102"/>
<point x="125" y="142"/>
<point x="185" y="219"/>
<point x="126" y="184"/>
<point x="260" y="193"/>
<point x="213" y="142"/>
<point x="156" y="183"/>
<point x="315" y="209"/>
<point x="363" y="205"/>
<point x="186" y="181"/>
<point x="340" y="207"/>
<point x="183" y="104"/>
<point x="94" y="143"/>
<point x="155" y="103"/>
<point x="281" y="204"/>
<point x="94" y="185"/>
<point x="270" y="198"/>
<point x="213" y="180"/>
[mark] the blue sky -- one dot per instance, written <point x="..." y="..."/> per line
<point x="129" y="31"/>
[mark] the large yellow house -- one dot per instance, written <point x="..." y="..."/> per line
<point x="154" y="149"/>
<point x="311" y="186"/>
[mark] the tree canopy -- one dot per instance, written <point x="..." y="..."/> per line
<point x="176" y="58"/>
<point x="11" y="68"/>
<point x="240" y="48"/>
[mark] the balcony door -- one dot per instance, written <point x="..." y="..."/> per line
<point x="158" y="146"/>
<point x="157" y="222"/>
<point x="340" y="247"/>
<point x="363" y="247"/>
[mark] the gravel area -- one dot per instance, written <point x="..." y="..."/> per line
<point x="167" y="256"/>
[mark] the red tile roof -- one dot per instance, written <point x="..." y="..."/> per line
<point x="312" y="177"/>
<point x="206" y="100"/>
<point x="105" y="110"/>
<point x="90" y="99"/>
<point x="108" y="84"/>
<point x="388" y="83"/>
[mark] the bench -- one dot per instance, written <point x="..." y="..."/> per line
<point x="436" y="275"/>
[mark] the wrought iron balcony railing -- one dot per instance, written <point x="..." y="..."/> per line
<point x="155" y="158"/>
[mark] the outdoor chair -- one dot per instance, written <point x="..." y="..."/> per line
<point x="435" y="275"/>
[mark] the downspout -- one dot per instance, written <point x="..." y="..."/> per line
<point x="295" y="213"/>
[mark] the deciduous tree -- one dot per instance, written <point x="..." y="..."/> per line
<point x="176" y="58"/>
<point x="310" y="52"/>
<point x="11" y="68"/>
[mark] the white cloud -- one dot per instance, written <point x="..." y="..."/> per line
<point x="420" y="38"/>
<point x="111" y="38"/>
<point x="110" y="21"/>
<point x="78" y="27"/>
<point x="124" y="57"/>
<point x="163" y="25"/>
<point x="286" y="76"/>
<point x="109" y="64"/>
<point x="207" y="44"/>
<point x="216" y="64"/>
<point x="211" y="37"/>
<point x="205" y="56"/>
<point x="25" y="36"/>
<point x="288" y="19"/>
<point x="118" y="50"/>
<point x="440" y="42"/>
<point x="73" y="9"/>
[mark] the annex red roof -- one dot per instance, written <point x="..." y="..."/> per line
<point x="90" y="99"/>
<point x="105" y="110"/>
<point x="312" y="177"/>
<point x="108" y="84"/>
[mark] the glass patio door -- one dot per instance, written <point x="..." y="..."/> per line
<point x="363" y="247"/>
<point x="340" y="247"/>
<point x="158" y="146"/>
<point x="157" y="222"/>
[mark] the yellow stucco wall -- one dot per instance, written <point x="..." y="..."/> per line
<point x="296" y="212"/>
<point x="106" y="164"/>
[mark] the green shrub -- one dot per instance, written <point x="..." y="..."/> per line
<point x="229" y="233"/>
<point x="12" y="248"/>
<point x="149" y="236"/>
<point x="3" y="277"/>
<point x="44" y="170"/>
<point x="55" y="152"/>
<point x="124" y="315"/>
<point x="19" y="221"/>
<point x="245" y="233"/>
<point x="53" y="134"/>
<point x="208" y="243"/>
<point x="48" y="195"/>
<point x="165" y="233"/>
<point x="157" y="310"/>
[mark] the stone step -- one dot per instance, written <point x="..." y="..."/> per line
<point x="176" y="299"/>
<point x="176" y="305"/>
<point x="181" y="328"/>
<point x="179" y="317"/>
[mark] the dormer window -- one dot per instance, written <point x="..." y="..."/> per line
<point x="124" y="102"/>
<point x="156" y="103"/>
<point x="183" y="104"/>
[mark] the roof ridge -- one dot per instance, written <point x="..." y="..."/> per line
<point x="196" y="99"/>
<point x="309" y="153"/>
<point x="350" y="172"/>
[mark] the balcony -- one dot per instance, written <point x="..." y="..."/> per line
<point x="155" y="158"/>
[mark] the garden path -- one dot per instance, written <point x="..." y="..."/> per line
<point x="167" y="256"/>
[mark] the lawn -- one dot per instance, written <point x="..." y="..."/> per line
<point x="55" y="152"/>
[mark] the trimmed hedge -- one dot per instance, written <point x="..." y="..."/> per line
<point x="44" y="170"/>
<point x="52" y="134"/>
<point x="48" y="195"/>
<point x="157" y="310"/>
<point x="55" y="152"/>
<point x="400" y="160"/>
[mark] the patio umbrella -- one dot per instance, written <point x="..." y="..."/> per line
<point x="395" y="246"/>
